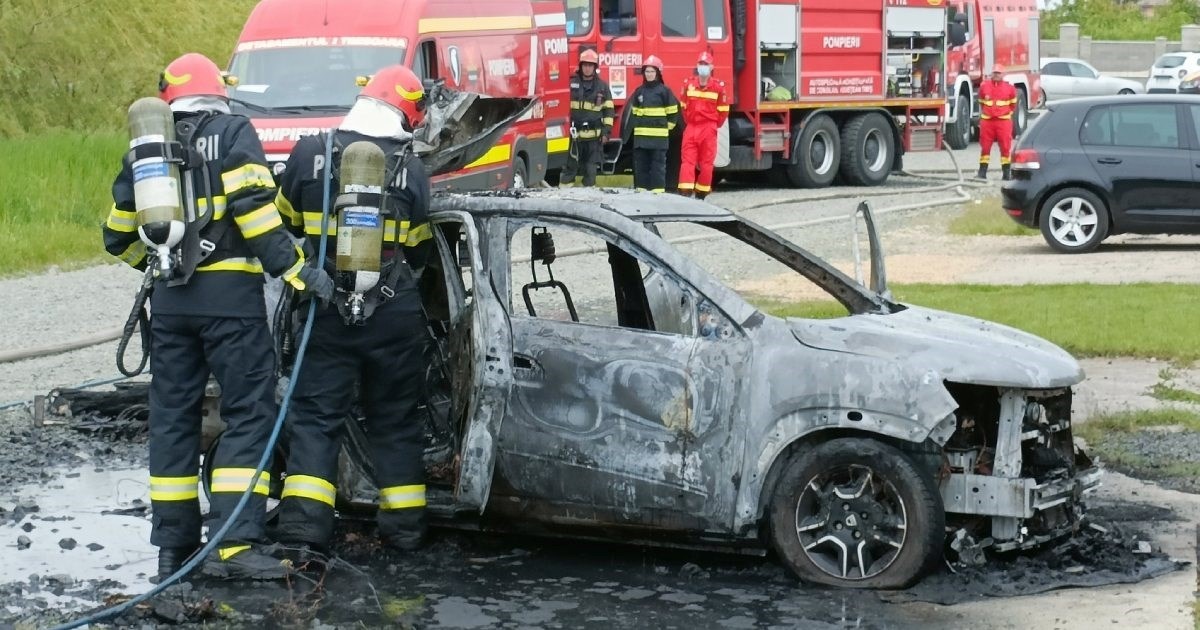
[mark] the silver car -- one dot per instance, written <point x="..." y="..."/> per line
<point x="1064" y="78"/>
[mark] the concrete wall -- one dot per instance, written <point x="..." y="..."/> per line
<point x="1123" y="59"/>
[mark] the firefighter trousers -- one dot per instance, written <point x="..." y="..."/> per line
<point x="585" y="155"/>
<point x="697" y="155"/>
<point x="239" y="353"/>
<point x="386" y="356"/>
<point x="650" y="169"/>
<point x="999" y="131"/>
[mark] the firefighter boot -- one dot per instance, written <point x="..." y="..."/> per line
<point x="982" y="174"/>
<point x="701" y="195"/>
<point x="240" y="561"/>
<point x="1006" y="172"/>
<point x="171" y="559"/>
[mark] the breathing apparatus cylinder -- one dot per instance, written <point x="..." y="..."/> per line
<point x="360" y="222"/>
<point x="156" y="193"/>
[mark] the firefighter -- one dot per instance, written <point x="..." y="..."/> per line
<point x="655" y="113"/>
<point x="997" y="100"/>
<point x="591" y="120"/>
<point x="382" y="347"/>
<point x="209" y="314"/>
<point x="705" y="108"/>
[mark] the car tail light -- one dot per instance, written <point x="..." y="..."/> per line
<point x="1026" y="159"/>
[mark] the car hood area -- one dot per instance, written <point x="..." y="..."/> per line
<point x="961" y="349"/>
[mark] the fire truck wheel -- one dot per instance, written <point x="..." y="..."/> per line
<point x="958" y="133"/>
<point x="1021" y="116"/>
<point x="817" y="153"/>
<point x="868" y="149"/>
<point x="520" y="176"/>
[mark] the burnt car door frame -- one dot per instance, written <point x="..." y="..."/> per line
<point x="482" y="353"/>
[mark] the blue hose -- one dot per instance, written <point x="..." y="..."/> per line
<point x="216" y="539"/>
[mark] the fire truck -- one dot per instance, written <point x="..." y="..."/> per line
<point x="297" y="65"/>
<point x="822" y="90"/>
<point x="980" y="35"/>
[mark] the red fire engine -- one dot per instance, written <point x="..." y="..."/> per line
<point x="982" y="34"/>
<point x="822" y="89"/>
<point x="297" y="62"/>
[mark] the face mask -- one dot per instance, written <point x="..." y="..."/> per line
<point x="703" y="70"/>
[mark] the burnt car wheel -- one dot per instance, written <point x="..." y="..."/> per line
<point x="856" y="513"/>
<point x="1073" y="221"/>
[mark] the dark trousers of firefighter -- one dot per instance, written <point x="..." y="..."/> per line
<point x="585" y="156"/>
<point x="650" y="169"/>
<point x="999" y="131"/>
<point x="238" y="352"/>
<point x="697" y="155"/>
<point x="386" y="356"/>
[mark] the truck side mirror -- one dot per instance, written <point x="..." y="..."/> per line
<point x="958" y="34"/>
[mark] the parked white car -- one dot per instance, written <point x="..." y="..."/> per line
<point x="1169" y="70"/>
<point x="1064" y="78"/>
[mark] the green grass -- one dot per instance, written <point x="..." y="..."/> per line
<point x="72" y="64"/>
<point x="1170" y="393"/>
<point x="1133" y="320"/>
<point x="987" y="218"/>
<point x="1095" y="430"/>
<point x="56" y="191"/>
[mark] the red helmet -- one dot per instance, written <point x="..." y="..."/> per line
<point x="190" y="75"/>
<point x="653" y="62"/>
<point x="705" y="57"/>
<point x="399" y="87"/>
<point x="589" y="56"/>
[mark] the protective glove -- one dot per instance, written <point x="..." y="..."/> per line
<point x="317" y="282"/>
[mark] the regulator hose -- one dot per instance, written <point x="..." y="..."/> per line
<point x="215" y="539"/>
<point x="139" y="319"/>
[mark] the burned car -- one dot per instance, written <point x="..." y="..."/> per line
<point x="641" y="398"/>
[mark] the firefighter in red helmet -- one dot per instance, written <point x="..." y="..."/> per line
<point x="375" y="337"/>
<point x="705" y="107"/>
<point x="591" y="120"/>
<point x="997" y="101"/>
<point x="655" y="112"/>
<point x="209" y="313"/>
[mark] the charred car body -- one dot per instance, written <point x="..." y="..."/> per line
<point x="855" y="447"/>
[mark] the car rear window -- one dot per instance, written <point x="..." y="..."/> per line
<point x="1146" y="126"/>
<point x="1170" y="61"/>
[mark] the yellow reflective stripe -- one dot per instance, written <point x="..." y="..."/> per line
<point x="607" y="120"/>
<point x="496" y="154"/>
<point x="702" y="94"/>
<point x="248" y="265"/>
<point x="722" y="108"/>
<point x="608" y="104"/>
<point x="418" y="235"/>
<point x="1004" y="159"/>
<point x="400" y="497"/>
<point x="650" y="111"/>
<point x="259" y="222"/>
<point x="218" y="206"/>
<point x="672" y="109"/>
<point x="292" y="275"/>
<point x="122" y="220"/>
<point x="174" y="488"/>
<point x="309" y="487"/>
<point x="587" y="134"/>
<point x="134" y="254"/>
<point x="703" y="188"/>
<point x="654" y="132"/>
<point x="661" y="190"/>
<point x="238" y="479"/>
<point x="482" y="23"/>
<point x="588" y="106"/>
<point x="287" y="211"/>
<point x="558" y="145"/>
<point x="686" y="186"/>
<point x="986" y="102"/>
<point x="245" y="177"/>
<point x="312" y="224"/>
<point x="670" y="126"/>
<point x="229" y="552"/>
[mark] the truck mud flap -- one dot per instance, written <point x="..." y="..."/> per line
<point x="612" y="153"/>
<point x="462" y="126"/>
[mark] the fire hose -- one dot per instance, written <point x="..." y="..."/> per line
<point x="214" y="540"/>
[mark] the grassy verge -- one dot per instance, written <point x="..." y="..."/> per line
<point x="987" y="218"/>
<point x="1098" y="433"/>
<point x="1133" y="320"/>
<point x="1165" y="389"/>
<point x="55" y="194"/>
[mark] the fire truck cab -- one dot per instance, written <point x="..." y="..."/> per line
<point x="823" y="90"/>
<point x="297" y="62"/>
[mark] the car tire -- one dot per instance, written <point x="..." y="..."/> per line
<point x="277" y="471"/>
<point x="958" y="133"/>
<point x="868" y="149"/>
<point x="1021" y="116"/>
<point x="900" y="538"/>
<point x="1073" y="221"/>
<point x="1044" y="99"/>
<point x="1125" y="92"/>
<point x="520" y="175"/>
<point x="817" y="153"/>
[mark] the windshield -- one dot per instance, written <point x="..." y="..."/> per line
<point x="1170" y="61"/>
<point x="318" y="77"/>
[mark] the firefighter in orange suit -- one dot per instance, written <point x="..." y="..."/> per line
<point x="997" y="100"/>
<point x="705" y="108"/>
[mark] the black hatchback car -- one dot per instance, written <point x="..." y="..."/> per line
<point x="1092" y="167"/>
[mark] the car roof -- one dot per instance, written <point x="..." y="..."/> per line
<point x="1122" y="99"/>
<point x="636" y="205"/>
<point x="1046" y="60"/>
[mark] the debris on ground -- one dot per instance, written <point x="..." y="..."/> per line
<point x="122" y="411"/>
